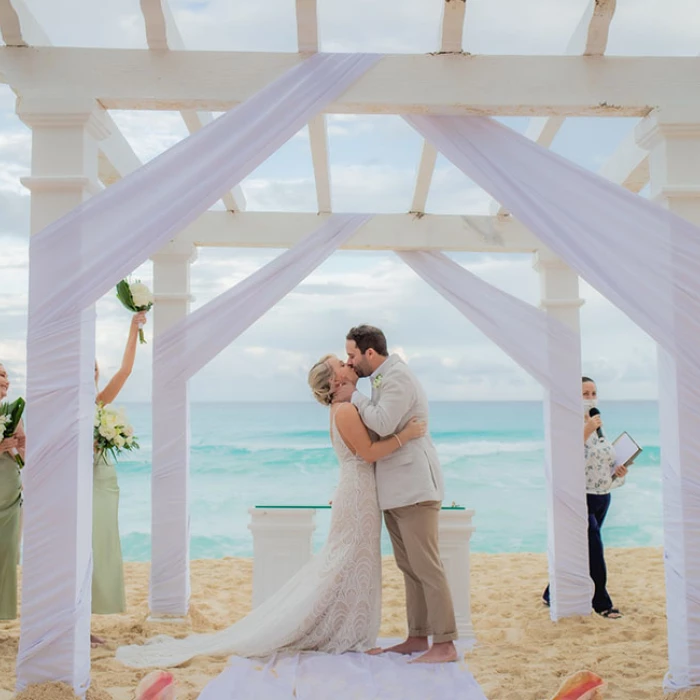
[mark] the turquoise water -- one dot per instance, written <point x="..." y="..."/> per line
<point x="492" y="454"/>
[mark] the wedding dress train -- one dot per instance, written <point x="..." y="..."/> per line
<point x="332" y="605"/>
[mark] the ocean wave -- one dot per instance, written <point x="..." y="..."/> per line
<point x="481" y="448"/>
<point x="247" y="448"/>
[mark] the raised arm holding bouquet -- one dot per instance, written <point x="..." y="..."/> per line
<point x="135" y="296"/>
<point x="113" y="434"/>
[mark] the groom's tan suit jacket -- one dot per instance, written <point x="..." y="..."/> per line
<point x="412" y="474"/>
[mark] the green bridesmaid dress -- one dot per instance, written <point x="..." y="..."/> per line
<point x="10" y="506"/>
<point x="108" y="595"/>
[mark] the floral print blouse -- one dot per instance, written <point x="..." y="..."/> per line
<point x="600" y="462"/>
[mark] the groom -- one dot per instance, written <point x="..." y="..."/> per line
<point x="410" y="491"/>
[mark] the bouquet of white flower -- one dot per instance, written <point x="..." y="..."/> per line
<point x="10" y="416"/>
<point x="113" y="433"/>
<point x="135" y="296"/>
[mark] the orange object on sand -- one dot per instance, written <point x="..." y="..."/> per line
<point x="584" y="685"/>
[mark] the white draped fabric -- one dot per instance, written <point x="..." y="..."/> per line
<point x="310" y="676"/>
<point x="180" y="353"/>
<point x="72" y="263"/>
<point x="646" y="260"/>
<point x="550" y="352"/>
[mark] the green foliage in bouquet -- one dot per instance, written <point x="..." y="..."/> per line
<point x="10" y="416"/>
<point x="112" y="432"/>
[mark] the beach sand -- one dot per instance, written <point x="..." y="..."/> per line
<point x="520" y="655"/>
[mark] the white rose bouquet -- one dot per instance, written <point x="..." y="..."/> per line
<point x="10" y="416"/>
<point x="113" y="433"/>
<point x="135" y="296"/>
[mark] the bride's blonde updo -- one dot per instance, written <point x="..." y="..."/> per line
<point x="320" y="380"/>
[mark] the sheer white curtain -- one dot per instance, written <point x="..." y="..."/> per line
<point x="180" y="353"/>
<point x="646" y="260"/>
<point x="72" y="263"/>
<point x="550" y="352"/>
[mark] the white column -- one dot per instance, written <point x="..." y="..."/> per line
<point x="571" y="589"/>
<point x="455" y="530"/>
<point x="673" y="140"/>
<point x="170" y="519"/>
<point x="282" y="544"/>
<point x="56" y="590"/>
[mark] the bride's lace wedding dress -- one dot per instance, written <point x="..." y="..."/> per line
<point x="332" y="605"/>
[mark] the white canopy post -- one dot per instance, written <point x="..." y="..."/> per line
<point x="57" y="564"/>
<point x="76" y="260"/>
<point x="549" y="351"/>
<point x="180" y="353"/>
<point x="559" y="293"/>
<point x="673" y="140"/>
<point x="171" y="286"/>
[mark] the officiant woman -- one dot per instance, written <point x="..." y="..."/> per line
<point x="601" y="478"/>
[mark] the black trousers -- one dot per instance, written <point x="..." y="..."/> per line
<point x="597" y="510"/>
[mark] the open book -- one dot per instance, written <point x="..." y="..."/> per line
<point x="626" y="449"/>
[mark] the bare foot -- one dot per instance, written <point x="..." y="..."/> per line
<point x="375" y="651"/>
<point x="96" y="641"/>
<point x="442" y="653"/>
<point x="410" y="646"/>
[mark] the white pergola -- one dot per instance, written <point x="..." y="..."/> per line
<point x="65" y="96"/>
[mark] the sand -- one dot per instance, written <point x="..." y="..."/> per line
<point x="521" y="654"/>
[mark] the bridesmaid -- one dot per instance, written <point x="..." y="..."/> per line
<point x="108" y="594"/>
<point x="10" y="512"/>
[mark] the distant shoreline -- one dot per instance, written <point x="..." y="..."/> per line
<point x="465" y="401"/>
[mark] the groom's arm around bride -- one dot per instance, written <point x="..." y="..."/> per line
<point x="409" y="489"/>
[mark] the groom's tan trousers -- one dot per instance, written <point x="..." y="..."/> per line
<point x="414" y="535"/>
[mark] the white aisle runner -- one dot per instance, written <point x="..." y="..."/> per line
<point x="352" y="676"/>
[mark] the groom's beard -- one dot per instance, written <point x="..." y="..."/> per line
<point x="362" y="369"/>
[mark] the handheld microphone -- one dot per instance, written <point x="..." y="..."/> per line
<point x="596" y="412"/>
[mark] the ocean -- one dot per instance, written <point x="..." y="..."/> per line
<point x="246" y="454"/>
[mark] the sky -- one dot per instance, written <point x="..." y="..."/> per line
<point x="373" y="167"/>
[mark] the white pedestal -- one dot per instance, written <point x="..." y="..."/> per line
<point x="281" y="546"/>
<point x="455" y="531"/>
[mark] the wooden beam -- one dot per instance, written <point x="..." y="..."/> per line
<point x="162" y="34"/>
<point x="307" y="35"/>
<point x="453" y="12"/>
<point x="397" y="84"/>
<point x="10" y="26"/>
<point x="307" y="26"/>
<point x="426" y="169"/>
<point x="590" y="38"/>
<point x="116" y="156"/>
<point x="381" y="232"/>
<point x="628" y="166"/>
<point x="318" y="135"/>
<point x="596" y="20"/>
<point x="161" y="29"/>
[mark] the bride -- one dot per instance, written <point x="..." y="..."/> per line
<point x="333" y="604"/>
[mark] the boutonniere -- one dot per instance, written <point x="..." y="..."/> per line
<point x="377" y="381"/>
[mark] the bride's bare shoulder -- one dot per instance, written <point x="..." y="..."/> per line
<point x="345" y="412"/>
